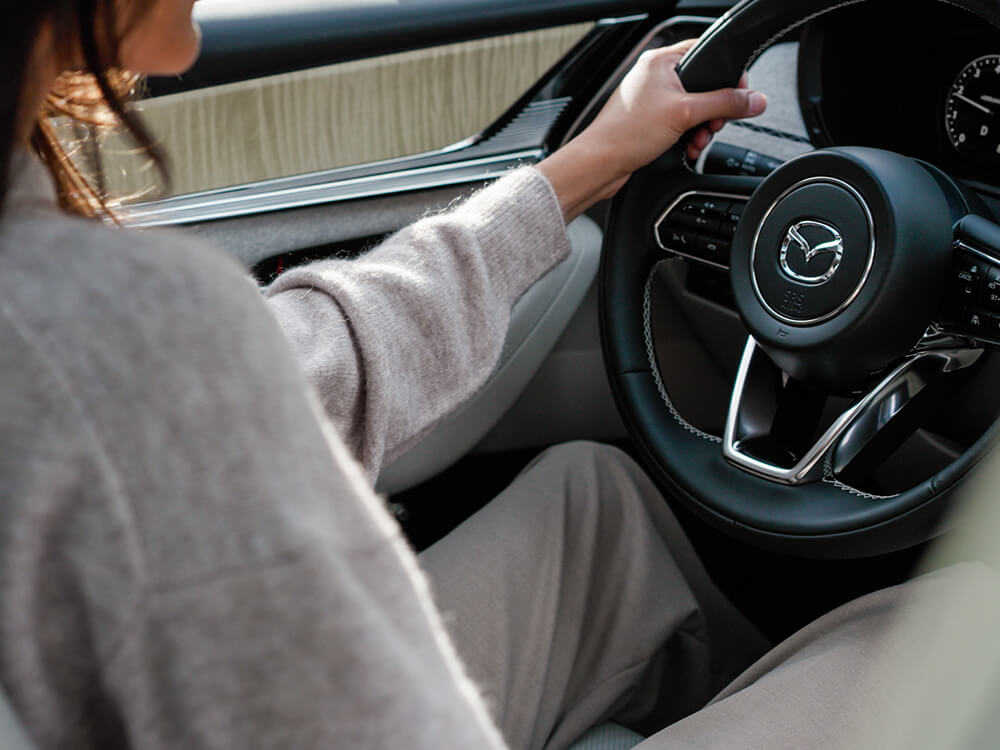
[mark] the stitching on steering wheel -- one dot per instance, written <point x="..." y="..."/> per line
<point x="830" y="478"/>
<point x="764" y="130"/>
<point x="812" y="16"/>
<point x="647" y="327"/>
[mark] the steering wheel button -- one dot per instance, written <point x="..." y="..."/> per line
<point x="971" y="269"/>
<point x="697" y="221"/>
<point x="976" y="322"/>
<point x="715" y="251"/>
<point x="705" y="206"/>
<point x="993" y="279"/>
<point x="966" y="292"/>
<point x="677" y="240"/>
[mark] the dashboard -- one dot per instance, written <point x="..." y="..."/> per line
<point x="925" y="83"/>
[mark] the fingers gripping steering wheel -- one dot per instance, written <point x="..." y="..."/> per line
<point x="838" y="268"/>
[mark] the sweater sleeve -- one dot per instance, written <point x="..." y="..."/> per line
<point x="395" y="340"/>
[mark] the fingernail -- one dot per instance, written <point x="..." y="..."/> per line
<point x="756" y="103"/>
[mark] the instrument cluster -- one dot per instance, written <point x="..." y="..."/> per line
<point x="926" y="85"/>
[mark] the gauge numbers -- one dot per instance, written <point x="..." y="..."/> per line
<point x="972" y="114"/>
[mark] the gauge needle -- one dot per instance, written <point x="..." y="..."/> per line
<point x="977" y="105"/>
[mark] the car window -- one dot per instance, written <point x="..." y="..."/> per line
<point x="348" y="113"/>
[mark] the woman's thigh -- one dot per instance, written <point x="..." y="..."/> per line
<point x="574" y="596"/>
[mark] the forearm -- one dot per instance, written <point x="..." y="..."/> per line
<point x="396" y="340"/>
<point x="581" y="175"/>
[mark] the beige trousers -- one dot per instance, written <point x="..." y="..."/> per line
<point x="574" y="597"/>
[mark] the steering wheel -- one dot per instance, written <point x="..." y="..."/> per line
<point x="841" y="264"/>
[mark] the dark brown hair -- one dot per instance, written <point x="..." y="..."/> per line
<point x="91" y="98"/>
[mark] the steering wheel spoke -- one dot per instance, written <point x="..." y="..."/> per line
<point x="757" y="436"/>
<point x="699" y="223"/>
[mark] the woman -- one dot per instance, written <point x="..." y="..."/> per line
<point x="192" y="557"/>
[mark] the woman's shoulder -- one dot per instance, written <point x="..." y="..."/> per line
<point x="94" y="298"/>
<point x="60" y="268"/>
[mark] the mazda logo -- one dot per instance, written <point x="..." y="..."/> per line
<point x="807" y="240"/>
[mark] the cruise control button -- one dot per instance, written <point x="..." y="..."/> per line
<point x="975" y="322"/>
<point x="968" y="278"/>
<point x="970" y="270"/>
<point x="992" y="299"/>
<point x="991" y="288"/>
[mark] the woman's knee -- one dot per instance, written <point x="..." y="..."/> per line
<point x="579" y="455"/>
<point x="596" y="479"/>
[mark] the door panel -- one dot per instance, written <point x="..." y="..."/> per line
<point x="338" y="115"/>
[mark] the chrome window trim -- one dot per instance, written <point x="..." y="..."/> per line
<point x="277" y="195"/>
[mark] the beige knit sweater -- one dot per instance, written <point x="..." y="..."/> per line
<point x="189" y="555"/>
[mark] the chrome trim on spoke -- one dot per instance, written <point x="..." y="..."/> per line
<point x="854" y="429"/>
<point x="286" y="193"/>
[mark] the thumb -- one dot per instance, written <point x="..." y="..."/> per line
<point x="724" y="104"/>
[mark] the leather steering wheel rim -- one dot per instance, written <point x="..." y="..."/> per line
<point x="819" y="519"/>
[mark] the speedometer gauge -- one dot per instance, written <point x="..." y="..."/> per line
<point x="972" y="114"/>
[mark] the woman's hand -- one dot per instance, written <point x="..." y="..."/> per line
<point x="645" y="116"/>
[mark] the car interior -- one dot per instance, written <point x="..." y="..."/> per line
<point x="810" y="416"/>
